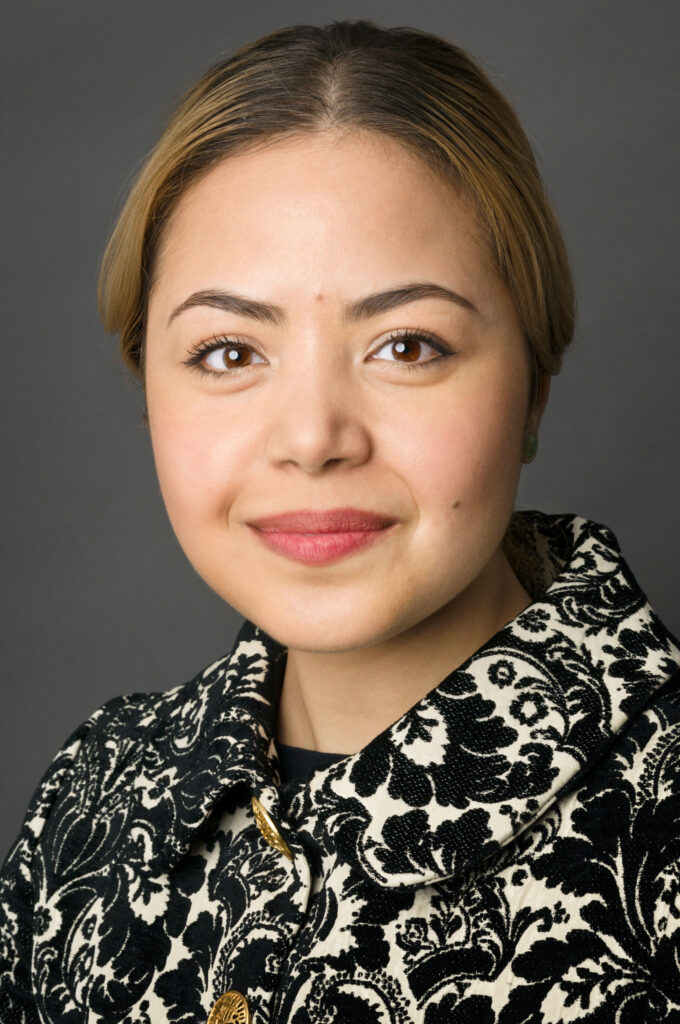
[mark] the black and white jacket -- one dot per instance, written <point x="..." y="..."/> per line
<point x="507" y="852"/>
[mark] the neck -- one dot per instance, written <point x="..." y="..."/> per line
<point x="339" y="701"/>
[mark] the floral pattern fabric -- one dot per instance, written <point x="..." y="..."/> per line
<point x="507" y="852"/>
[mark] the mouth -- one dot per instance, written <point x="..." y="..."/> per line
<point x="315" y="521"/>
<point x="320" y="537"/>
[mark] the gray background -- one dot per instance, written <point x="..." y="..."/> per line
<point x="97" y="596"/>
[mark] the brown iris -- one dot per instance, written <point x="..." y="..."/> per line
<point x="403" y="344"/>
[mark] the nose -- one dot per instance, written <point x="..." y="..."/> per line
<point x="318" y="417"/>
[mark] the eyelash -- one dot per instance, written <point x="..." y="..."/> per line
<point x="216" y="343"/>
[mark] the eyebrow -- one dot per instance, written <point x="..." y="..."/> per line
<point x="361" y="309"/>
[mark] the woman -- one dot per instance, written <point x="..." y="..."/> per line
<point x="436" y="778"/>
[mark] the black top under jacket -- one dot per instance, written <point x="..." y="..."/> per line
<point x="298" y="763"/>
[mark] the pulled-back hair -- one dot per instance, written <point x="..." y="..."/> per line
<point x="419" y="89"/>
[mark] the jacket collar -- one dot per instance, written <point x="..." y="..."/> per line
<point x="483" y="754"/>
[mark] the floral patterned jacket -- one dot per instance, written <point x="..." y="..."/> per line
<point x="507" y="852"/>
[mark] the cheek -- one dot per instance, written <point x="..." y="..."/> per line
<point x="197" y="467"/>
<point x="465" y="455"/>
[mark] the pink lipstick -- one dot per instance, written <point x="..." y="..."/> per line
<point x="317" y="537"/>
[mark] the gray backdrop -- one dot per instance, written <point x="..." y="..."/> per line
<point x="97" y="596"/>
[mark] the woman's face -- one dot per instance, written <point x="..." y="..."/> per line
<point x="320" y="404"/>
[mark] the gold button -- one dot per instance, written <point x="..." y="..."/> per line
<point x="230" y="1008"/>
<point x="269" y="829"/>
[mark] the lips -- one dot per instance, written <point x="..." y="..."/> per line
<point x="336" y="520"/>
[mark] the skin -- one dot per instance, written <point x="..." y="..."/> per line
<point x="327" y="414"/>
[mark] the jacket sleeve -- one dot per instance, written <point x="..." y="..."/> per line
<point x="17" y="894"/>
<point x="665" y="992"/>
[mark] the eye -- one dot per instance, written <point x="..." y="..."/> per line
<point x="409" y="345"/>
<point x="233" y="356"/>
<point x="219" y="356"/>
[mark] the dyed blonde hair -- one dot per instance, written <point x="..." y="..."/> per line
<point x="416" y="88"/>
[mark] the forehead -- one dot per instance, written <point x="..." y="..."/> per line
<point x="342" y="202"/>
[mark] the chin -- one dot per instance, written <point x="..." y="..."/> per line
<point x="323" y="631"/>
<point x="338" y="625"/>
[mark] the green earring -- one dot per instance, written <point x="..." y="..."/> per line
<point x="529" y="446"/>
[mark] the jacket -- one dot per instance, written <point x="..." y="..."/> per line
<point x="507" y="852"/>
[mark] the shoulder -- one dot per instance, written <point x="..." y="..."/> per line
<point x="138" y="714"/>
<point x="106" y="748"/>
<point x="128" y="722"/>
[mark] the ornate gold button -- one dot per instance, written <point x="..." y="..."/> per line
<point x="230" y="1008"/>
<point x="269" y="829"/>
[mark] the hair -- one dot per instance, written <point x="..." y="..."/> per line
<point x="420" y="90"/>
